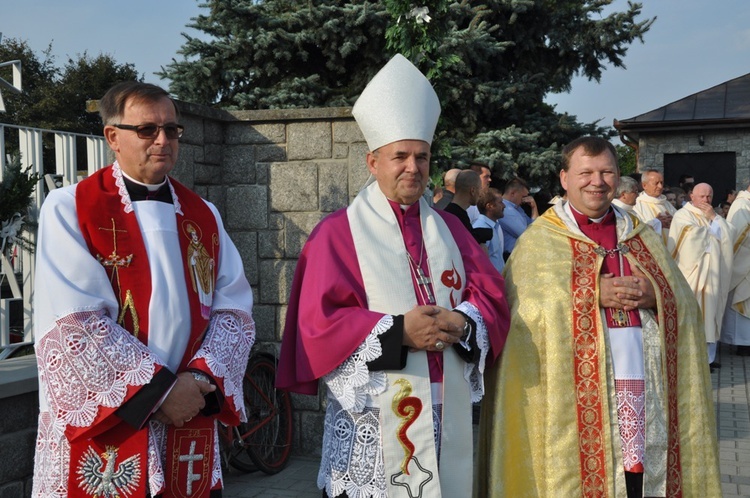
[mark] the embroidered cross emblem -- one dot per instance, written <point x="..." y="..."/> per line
<point x="113" y="260"/>
<point x="191" y="458"/>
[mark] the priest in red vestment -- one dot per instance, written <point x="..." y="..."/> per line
<point x="398" y="310"/>
<point x="143" y="320"/>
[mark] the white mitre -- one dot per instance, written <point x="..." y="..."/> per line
<point x="399" y="103"/>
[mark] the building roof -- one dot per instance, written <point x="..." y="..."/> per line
<point x="726" y="104"/>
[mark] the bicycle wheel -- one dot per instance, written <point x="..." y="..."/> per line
<point x="234" y="451"/>
<point x="268" y="437"/>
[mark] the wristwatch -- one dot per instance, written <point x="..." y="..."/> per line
<point x="201" y="377"/>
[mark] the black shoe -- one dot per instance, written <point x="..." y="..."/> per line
<point x="715" y="364"/>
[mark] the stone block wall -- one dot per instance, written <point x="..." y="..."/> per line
<point x="273" y="175"/>
<point x="652" y="146"/>
<point x="19" y="405"/>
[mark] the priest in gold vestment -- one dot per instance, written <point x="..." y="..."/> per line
<point x="602" y="389"/>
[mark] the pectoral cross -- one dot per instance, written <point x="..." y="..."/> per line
<point x="424" y="281"/>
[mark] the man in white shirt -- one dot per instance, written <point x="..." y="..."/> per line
<point x="491" y="209"/>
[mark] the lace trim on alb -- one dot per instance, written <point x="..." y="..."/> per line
<point x="351" y="382"/>
<point x="87" y="361"/>
<point x="474" y="372"/>
<point x="352" y="460"/>
<point x="231" y="334"/>
<point x="631" y="416"/>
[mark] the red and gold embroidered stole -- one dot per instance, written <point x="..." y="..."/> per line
<point x="114" y="237"/>
<point x="591" y="392"/>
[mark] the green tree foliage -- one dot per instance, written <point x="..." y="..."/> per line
<point x="626" y="159"/>
<point x="492" y="63"/>
<point x="55" y="97"/>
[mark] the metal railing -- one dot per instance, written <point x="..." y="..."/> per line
<point x="17" y="271"/>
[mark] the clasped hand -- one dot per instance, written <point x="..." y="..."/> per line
<point x="184" y="401"/>
<point x="627" y="293"/>
<point x="424" y="326"/>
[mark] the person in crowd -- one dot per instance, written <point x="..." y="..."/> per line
<point x="651" y="203"/>
<point x="723" y="210"/>
<point x="449" y="188"/>
<point x="485" y="175"/>
<point x="730" y="196"/>
<point x="398" y="310"/>
<point x="515" y="219"/>
<point x="601" y="389"/>
<point x="468" y="190"/>
<point x="626" y="194"/>
<point x="671" y="196"/>
<point x="143" y="320"/>
<point x="491" y="209"/>
<point x="686" y="182"/>
<point x="680" y="197"/>
<point x="701" y="243"/>
<point x="625" y="198"/>
<point x="736" y="324"/>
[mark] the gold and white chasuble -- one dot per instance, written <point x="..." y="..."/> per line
<point x="736" y="325"/>
<point x="549" y="423"/>
<point x="703" y="250"/>
<point x="401" y="405"/>
<point x="648" y="208"/>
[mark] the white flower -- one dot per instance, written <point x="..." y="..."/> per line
<point x="9" y="230"/>
<point x="420" y="14"/>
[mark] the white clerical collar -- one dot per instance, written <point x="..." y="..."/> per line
<point x="151" y="187"/>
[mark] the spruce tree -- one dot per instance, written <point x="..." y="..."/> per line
<point x="492" y="63"/>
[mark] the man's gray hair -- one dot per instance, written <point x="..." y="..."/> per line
<point x="627" y="184"/>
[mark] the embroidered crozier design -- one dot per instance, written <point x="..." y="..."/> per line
<point x="201" y="266"/>
<point x="105" y="480"/>
<point x="115" y="262"/>
<point x="408" y="408"/>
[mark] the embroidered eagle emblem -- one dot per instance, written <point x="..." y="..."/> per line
<point x="103" y="480"/>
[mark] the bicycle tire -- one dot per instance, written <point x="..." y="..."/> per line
<point x="235" y="454"/>
<point x="268" y="434"/>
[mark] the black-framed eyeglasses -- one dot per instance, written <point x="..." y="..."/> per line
<point x="150" y="130"/>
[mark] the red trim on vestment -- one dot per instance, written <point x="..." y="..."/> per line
<point x="586" y="365"/>
<point x="668" y="315"/>
<point x="114" y="237"/>
<point x="589" y="395"/>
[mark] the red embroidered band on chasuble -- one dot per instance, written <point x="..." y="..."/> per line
<point x="588" y="379"/>
<point x="668" y="316"/>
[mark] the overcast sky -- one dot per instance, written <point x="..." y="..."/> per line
<point x="694" y="45"/>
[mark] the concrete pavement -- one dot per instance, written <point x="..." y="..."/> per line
<point x="731" y="389"/>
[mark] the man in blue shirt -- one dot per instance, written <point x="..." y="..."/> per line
<point x="515" y="219"/>
<point x="491" y="208"/>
